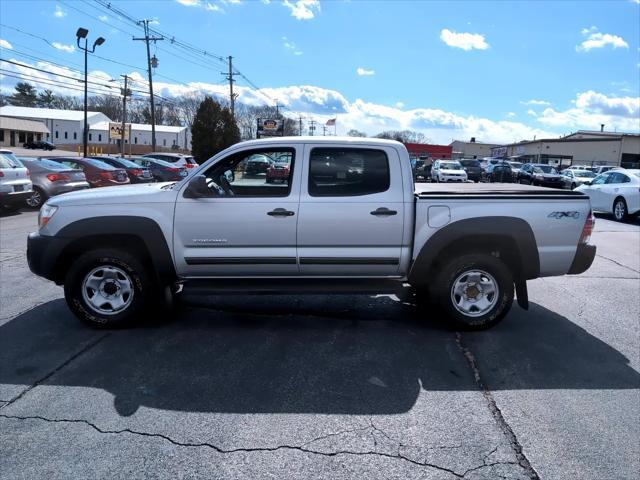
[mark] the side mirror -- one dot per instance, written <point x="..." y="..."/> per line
<point x="197" y="188"/>
<point x="588" y="182"/>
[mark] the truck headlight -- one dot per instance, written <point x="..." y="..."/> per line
<point x="46" y="212"/>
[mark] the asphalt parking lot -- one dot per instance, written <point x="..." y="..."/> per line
<point x="325" y="387"/>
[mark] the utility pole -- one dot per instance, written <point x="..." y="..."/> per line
<point x="232" y="96"/>
<point x="324" y="130"/>
<point x="147" y="39"/>
<point x="300" y="125"/>
<point x="124" y="115"/>
<point x="312" y="127"/>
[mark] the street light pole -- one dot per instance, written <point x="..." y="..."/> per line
<point x="82" y="33"/>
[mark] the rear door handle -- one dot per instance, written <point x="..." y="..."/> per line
<point x="383" y="212"/>
<point x="281" y="212"/>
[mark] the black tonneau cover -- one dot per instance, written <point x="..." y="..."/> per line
<point x="492" y="190"/>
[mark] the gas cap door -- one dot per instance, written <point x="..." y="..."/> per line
<point x="438" y="216"/>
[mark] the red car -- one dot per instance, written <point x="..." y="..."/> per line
<point x="278" y="172"/>
<point x="98" y="173"/>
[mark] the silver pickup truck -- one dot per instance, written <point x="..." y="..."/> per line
<point x="309" y="215"/>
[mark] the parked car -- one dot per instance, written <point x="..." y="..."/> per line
<point x="498" y="173"/>
<point x="51" y="178"/>
<point x="603" y="168"/>
<point x="573" y="178"/>
<point x="160" y="170"/>
<point x="448" y="171"/>
<point x="581" y="167"/>
<point x="469" y="246"/>
<point x="486" y="161"/>
<point x="616" y="192"/>
<point x="137" y="173"/>
<point x="40" y="144"/>
<point x="179" y="159"/>
<point x="540" y="174"/>
<point x="473" y="169"/>
<point x="421" y="171"/>
<point x="515" y="169"/>
<point x="15" y="184"/>
<point x="278" y="172"/>
<point x="98" y="173"/>
<point x="257" y="164"/>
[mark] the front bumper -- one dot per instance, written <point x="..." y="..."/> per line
<point x="43" y="253"/>
<point x="583" y="259"/>
<point x="451" y="178"/>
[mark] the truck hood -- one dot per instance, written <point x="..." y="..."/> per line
<point x="137" y="193"/>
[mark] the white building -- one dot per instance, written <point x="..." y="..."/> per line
<point x="471" y="149"/>
<point x="65" y="127"/>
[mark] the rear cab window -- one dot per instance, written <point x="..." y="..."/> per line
<point x="344" y="172"/>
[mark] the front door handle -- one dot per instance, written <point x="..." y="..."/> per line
<point x="281" y="212"/>
<point x="383" y="212"/>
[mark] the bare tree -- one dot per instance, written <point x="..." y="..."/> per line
<point x="404" y="136"/>
<point x="356" y="133"/>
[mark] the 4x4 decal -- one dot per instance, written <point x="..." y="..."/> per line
<point x="559" y="215"/>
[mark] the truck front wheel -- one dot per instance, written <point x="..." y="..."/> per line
<point x="108" y="288"/>
<point x="475" y="291"/>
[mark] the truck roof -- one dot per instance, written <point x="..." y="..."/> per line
<point x="323" y="139"/>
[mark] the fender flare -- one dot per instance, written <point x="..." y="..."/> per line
<point x="515" y="229"/>
<point x="146" y="229"/>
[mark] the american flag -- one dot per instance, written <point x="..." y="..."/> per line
<point x="331" y="122"/>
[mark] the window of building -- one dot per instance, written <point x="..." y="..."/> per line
<point x="56" y="133"/>
<point x="65" y="135"/>
<point x="75" y="135"/>
<point x="1" y="135"/>
<point x="254" y="173"/>
<point x="21" y="137"/>
<point x="90" y="136"/>
<point x="164" y="142"/>
<point x="99" y="137"/>
<point x="135" y="139"/>
<point x="341" y="172"/>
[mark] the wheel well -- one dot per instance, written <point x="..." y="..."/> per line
<point x="130" y="243"/>
<point x="501" y="246"/>
<point x="619" y="197"/>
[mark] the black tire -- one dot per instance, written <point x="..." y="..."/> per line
<point x="620" y="211"/>
<point x="573" y="186"/>
<point x="502" y="298"/>
<point x="145" y="291"/>
<point x="30" y="202"/>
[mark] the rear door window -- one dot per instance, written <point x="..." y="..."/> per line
<point x="342" y="172"/>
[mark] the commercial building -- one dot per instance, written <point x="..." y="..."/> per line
<point x="64" y="129"/>
<point x="14" y="132"/>
<point x="580" y="148"/>
<point x="471" y="149"/>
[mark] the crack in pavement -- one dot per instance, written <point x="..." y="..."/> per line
<point x="300" y="448"/>
<point x="618" y="263"/>
<point x="79" y="353"/>
<point x="523" y="461"/>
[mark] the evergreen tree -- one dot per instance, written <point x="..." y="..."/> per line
<point x="46" y="99"/>
<point x="24" y="96"/>
<point x="213" y="130"/>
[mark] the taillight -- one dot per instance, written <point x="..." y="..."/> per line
<point x="28" y="173"/>
<point x="136" y="171"/>
<point x="1" y="174"/>
<point x="58" y="177"/>
<point x="587" y="230"/>
<point x="171" y="169"/>
<point x="106" y="175"/>
<point x="190" y="165"/>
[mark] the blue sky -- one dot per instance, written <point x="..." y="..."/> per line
<point x="500" y="71"/>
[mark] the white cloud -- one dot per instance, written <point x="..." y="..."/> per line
<point x="465" y="41"/>
<point x="104" y="18"/>
<point x="363" y="72"/>
<point x="533" y="113"/>
<point x="231" y="2"/>
<point x="291" y="46"/>
<point x="592" y="109"/>
<point x="190" y="3"/>
<point x="6" y="45"/>
<point x="212" y="7"/>
<point x="400" y="104"/>
<point x="303" y="9"/>
<point x="596" y="39"/>
<point x="535" y="102"/>
<point x="208" y="6"/>
<point x="511" y="114"/>
<point x="59" y="12"/>
<point x="63" y="47"/>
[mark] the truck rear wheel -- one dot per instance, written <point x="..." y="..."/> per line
<point x="109" y="288"/>
<point x="475" y="291"/>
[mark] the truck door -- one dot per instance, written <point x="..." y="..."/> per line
<point x="351" y="211"/>
<point x="246" y="226"/>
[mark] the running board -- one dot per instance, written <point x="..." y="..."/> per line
<point x="298" y="286"/>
